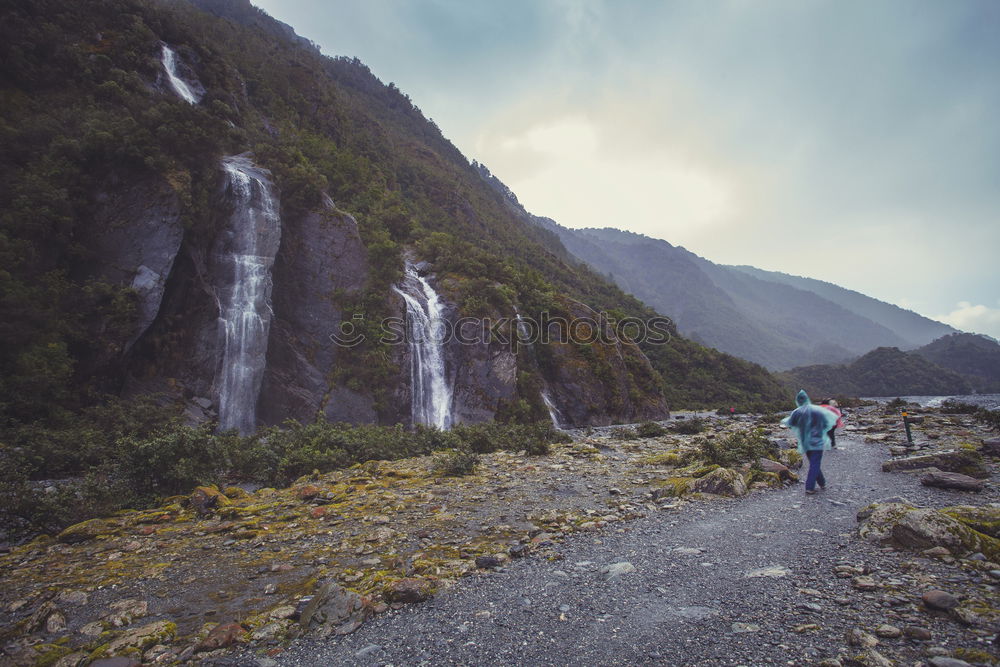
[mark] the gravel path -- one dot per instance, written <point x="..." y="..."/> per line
<point x="692" y="599"/>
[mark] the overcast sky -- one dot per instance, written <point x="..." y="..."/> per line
<point x="854" y="141"/>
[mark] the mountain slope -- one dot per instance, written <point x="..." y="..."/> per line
<point x="974" y="356"/>
<point x="775" y="324"/>
<point x="884" y="371"/>
<point x="117" y="236"/>
<point x="915" y="329"/>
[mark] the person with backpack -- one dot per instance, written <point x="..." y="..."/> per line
<point x="831" y="405"/>
<point x="812" y="425"/>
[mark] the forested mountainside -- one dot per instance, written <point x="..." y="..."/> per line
<point x="913" y="328"/>
<point x="954" y="364"/>
<point x="885" y="371"/>
<point x="195" y="199"/>
<point x="975" y="356"/>
<point x="743" y="311"/>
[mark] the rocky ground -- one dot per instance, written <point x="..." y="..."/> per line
<point x="606" y="551"/>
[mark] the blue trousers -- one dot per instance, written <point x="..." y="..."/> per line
<point x="815" y="475"/>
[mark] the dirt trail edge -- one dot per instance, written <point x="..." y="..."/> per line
<point x="723" y="582"/>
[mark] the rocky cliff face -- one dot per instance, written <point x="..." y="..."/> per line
<point x="602" y="382"/>
<point x="142" y="261"/>
<point x="133" y="241"/>
<point x="321" y="255"/>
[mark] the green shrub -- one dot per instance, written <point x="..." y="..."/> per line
<point x="455" y="462"/>
<point x="895" y="405"/>
<point x="624" y="433"/>
<point x="950" y="407"/>
<point x="689" y="426"/>
<point x="989" y="417"/>
<point x="649" y="430"/>
<point x="172" y="461"/>
<point x="737" y="448"/>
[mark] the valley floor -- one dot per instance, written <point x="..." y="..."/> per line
<point x="731" y="582"/>
<point x="615" y="571"/>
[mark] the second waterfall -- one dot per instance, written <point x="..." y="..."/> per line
<point x="426" y="330"/>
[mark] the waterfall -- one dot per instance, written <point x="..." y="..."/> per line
<point x="524" y="338"/>
<point x="169" y="59"/>
<point x="554" y="413"/>
<point x="243" y="257"/>
<point x="426" y="330"/>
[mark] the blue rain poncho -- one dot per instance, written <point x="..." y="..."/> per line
<point x="810" y="423"/>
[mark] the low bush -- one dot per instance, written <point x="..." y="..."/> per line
<point x="455" y="462"/>
<point x="150" y="458"/>
<point x="650" y="430"/>
<point x="737" y="448"/>
<point x="624" y="433"/>
<point x="989" y="417"/>
<point x="950" y="407"/>
<point x="689" y="426"/>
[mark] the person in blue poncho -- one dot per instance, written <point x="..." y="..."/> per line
<point x="812" y="425"/>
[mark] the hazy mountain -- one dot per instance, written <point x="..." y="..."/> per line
<point x="885" y="371"/>
<point x="972" y="355"/>
<point x="775" y="323"/>
<point x="914" y="328"/>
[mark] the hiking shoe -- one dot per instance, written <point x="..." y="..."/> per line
<point x="810" y="492"/>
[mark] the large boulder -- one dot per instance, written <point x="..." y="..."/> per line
<point x="334" y="610"/>
<point x="963" y="461"/>
<point x="952" y="480"/>
<point x="985" y="520"/>
<point x="914" y="528"/>
<point x="721" y="482"/>
<point x="139" y="639"/>
<point x="781" y="470"/>
<point x="204" y="499"/>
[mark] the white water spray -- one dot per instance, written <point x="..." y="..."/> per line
<point x="426" y="329"/>
<point x="525" y="339"/>
<point x="246" y="253"/>
<point x="169" y="59"/>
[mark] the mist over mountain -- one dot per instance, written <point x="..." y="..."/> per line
<point x="776" y="320"/>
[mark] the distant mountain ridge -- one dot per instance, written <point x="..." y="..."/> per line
<point x="916" y="329"/>
<point x="955" y="364"/>
<point x="770" y="318"/>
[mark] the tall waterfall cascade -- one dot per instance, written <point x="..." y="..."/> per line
<point x="169" y="59"/>
<point x="525" y="339"/>
<point x="426" y="329"/>
<point x="243" y="256"/>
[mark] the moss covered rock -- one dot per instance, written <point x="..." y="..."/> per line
<point x="911" y="528"/>
<point x="207" y="498"/>
<point x="721" y="482"/>
<point x="87" y="530"/>
<point x="985" y="520"/>
<point x="139" y="639"/>
<point x="960" y="460"/>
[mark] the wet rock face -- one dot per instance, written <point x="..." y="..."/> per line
<point x="485" y="376"/>
<point x="321" y="254"/>
<point x="608" y="383"/>
<point x="133" y="241"/>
